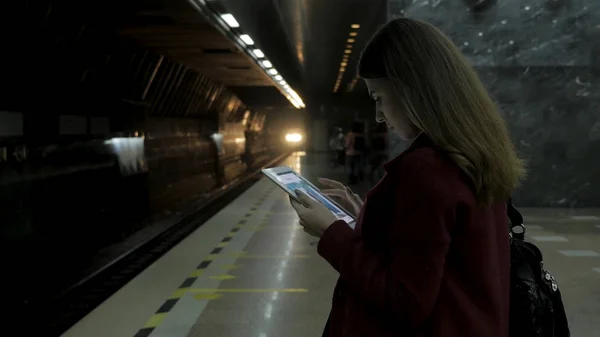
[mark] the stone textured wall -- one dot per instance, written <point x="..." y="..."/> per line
<point x="540" y="60"/>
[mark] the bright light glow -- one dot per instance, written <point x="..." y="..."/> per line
<point x="129" y="152"/>
<point x="355" y="26"/>
<point x="247" y="39"/>
<point x="293" y="101"/>
<point x="296" y="97"/>
<point x="258" y="53"/>
<point x="273" y="71"/>
<point x="293" y="137"/>
<point x="353" y="33"/>
<point x="267" y="64"/>
<point x="343" y="64"/>
<point x="278" y="78"/>
<point x="347" y="51"/>
<point x="282" y="82"/>
<point x="230" y="20"/>
<point x="351" y="40"/>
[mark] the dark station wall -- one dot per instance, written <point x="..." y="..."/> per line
<point x="100" y="139"/>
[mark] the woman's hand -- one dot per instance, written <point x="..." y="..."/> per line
<point x="350" y="200"/>
<point x="315" y="218"/>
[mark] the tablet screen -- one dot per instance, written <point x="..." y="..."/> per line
<point x="294" y="182"/>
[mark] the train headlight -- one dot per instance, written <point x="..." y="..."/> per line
<point x="293" y="137"/>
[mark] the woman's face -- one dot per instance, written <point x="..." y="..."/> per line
<point x="388" y="108"/>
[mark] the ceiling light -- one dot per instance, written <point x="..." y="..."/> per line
<point x="349" y="46"/>
<point x="230" y="20"/>
<point x="295" y="96"/>
<point x="347" y="51"/>
<point x="342" y="69"/>
<point x="353" y="33"/>
<point x="247" y="39"/>
<point x="278" y="78"/>
<point x="267" y="64"/>
<point x="343" y="64"/>
<point x="282" y="82"/>
<point x="272" y="71"/>
<point x="293" y="101"/>
<point x="258" y="53"/>
<point x="355" y="26"/>
<point x="351" y="40"/>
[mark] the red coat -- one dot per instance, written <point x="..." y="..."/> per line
<point x="423" y="260"/>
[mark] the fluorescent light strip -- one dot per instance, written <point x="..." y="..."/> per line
<point x="230" y="20"/>
<point x="247" y="39"/>
<point x="258" y="53"/>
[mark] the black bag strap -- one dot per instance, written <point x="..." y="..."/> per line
<point x="517" y="228"/>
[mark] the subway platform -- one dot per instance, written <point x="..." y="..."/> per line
<point x="251" y="271"/>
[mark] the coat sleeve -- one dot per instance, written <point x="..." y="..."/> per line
<point x="404" y="281"/>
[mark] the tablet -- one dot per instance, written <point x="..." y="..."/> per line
<point x="289" y="180"/>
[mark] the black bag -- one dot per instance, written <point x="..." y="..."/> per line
<point x="536" y="307"/>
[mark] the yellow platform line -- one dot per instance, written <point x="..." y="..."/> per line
<point x="155" y="320"/>
<point x="207" y="296"/>
<point x="230" y="266"/>
<point x="247" y="290"/>
<point x="222" y="277"/>
<point x="197" y="273"/>
<point x="182" y="291"/>
<point x="273" y="257"/>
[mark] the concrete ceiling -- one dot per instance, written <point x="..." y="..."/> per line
<point x="176" y="29"/>
<point x="304" y="39"/>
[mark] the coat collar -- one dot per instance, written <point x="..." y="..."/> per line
<point x="422" y="140"/>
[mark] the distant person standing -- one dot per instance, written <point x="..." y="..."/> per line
<point x="355" y="150"/>
<point x="337" y="145"/>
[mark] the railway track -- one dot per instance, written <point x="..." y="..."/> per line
<point x="52" y="319"/>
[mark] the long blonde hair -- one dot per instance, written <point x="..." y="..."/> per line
<point x="442" y="96"/>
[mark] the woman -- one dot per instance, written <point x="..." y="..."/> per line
<point x="429" y="255"/>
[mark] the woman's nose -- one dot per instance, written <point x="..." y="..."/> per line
<point x="379" y="116"/>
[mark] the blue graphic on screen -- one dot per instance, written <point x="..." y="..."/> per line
<point x="293" y="182"/>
